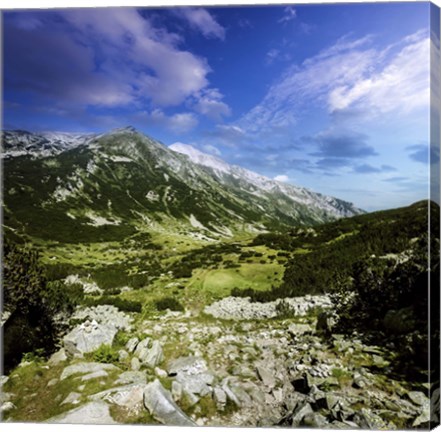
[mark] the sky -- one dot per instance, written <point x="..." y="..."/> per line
<point x="332" y="97"/>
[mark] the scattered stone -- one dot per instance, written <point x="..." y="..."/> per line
<point x="418" y="398"/>
<point x="93" y="375"/>
<point x="132" y="344"/>
<point x="176" y="391"/>
<point x="85" y="368"/>
<point x="424" y="417"/>
<point x="162" y="407"/>
<point x="57" y="357"/>
<point x="300" y="413"/>
<point x="190" y="365"/>
<point x="106" y="315"/>
<point x="266" y="376"/>
<point x="87" y="337"/>
<point x="91" y="413"/>
<point x="72" y="398"/>
<point x="3" y="380"/>
<point x="122" y="355"/>
<point x="220" y="397"/>
<point x="7" y="406"/>
<point x="52" y="382"/>
<point x="129" y="396"/>
<point x="135" y="364"/>
<point x="161" y="373"/>
<point x="366" y="419"/>
<point x="132" y="377"/>
<point x="154" y="355"/>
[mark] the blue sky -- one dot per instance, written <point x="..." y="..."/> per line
<point x="332" y="97"/>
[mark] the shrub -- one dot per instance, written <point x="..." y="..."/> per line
<point x="121" y="304"/>
<point x="105" y="354"/>
<point x="169" y="303"/>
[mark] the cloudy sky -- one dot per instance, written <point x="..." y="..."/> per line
<point x="332" y="97"/>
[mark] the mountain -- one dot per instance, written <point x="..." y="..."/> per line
<point x="97" y="187"/>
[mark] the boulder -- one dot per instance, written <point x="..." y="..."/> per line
<point x="191" y="365"/>
<point x="87" y="337"/>
<point x="153" y="356"/>
<point x="93" y="375"/>
<point x="132" y="344"/>
<point x="86" y="368"/>
<point x="135" y="364"/>
<point x="91" y="413"/>
<point x="129" y="396"/>
<point x="72" y="398"/>
<point x="418" y="398"/>
<point x="130" y="377"/>
<point x="7" y="406"/>
<point x="161" y="406"/>
<point x="57" y="357"/>
<point x="266" y="376"/>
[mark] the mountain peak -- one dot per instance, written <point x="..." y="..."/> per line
<point x="125" y="129"/>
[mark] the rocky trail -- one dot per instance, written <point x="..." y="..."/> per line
<point x="236" y="364"/>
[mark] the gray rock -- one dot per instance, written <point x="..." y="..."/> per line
<point x="154" y="355"/>
<point x="3" y="380"/>
<point x="123" y="355"/>
<point x="7" y="406"/>
<point x="220" y="397"/>
<point x="190" y="365"/>
<point x="129" y="396"/>
<point x="196" y="384"/>
<point x="266" y="376"/>
<point x="418" y="398"/>
<point x="162" y="407"/>
<point x="131" y="344"/>
<point x="106" y="315"/>
<point x="130" y="377"/>
<point x="300" y="413"/>
<point x="52" y="382"/>
<point x="366" y="419"/>
<point x="161" y="373"/>
<point x="424" y="417"/>
<point x="135" y="364"/>
<point x="87" y="337"/>
<point x="91" y="413"/>
<point x="93" y="375"/>
<point x="176" y="391"/>
<point x="85" y="368"/>
<point x="57" y="357"/>
<point x="142" y="348"/>
<point x="314" y="420"/>
<point x="72" y="398"/>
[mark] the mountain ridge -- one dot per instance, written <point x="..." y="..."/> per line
<point x="126" y="181"/>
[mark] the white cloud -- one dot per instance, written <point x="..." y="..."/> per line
<point x="177" y="123"/>
<point x="281" y="178"/>
<point x="351" y="74"/>
<point x="144" y="57"/>
<point x="401" y="85"/>
<point x="289" y="13"/>
<point x="201" y="20"/>
<point x="209" y="103"/>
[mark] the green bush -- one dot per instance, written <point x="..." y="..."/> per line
<point x="105" y="354"/>
<point x="121" y="304"/>
<point x="169" y="303"/>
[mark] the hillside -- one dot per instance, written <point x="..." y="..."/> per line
<point x="108" y="187"/>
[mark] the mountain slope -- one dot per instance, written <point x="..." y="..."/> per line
<point x="69" y="187"/>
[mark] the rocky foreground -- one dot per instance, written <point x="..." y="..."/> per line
<point x="252" y="369"/>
